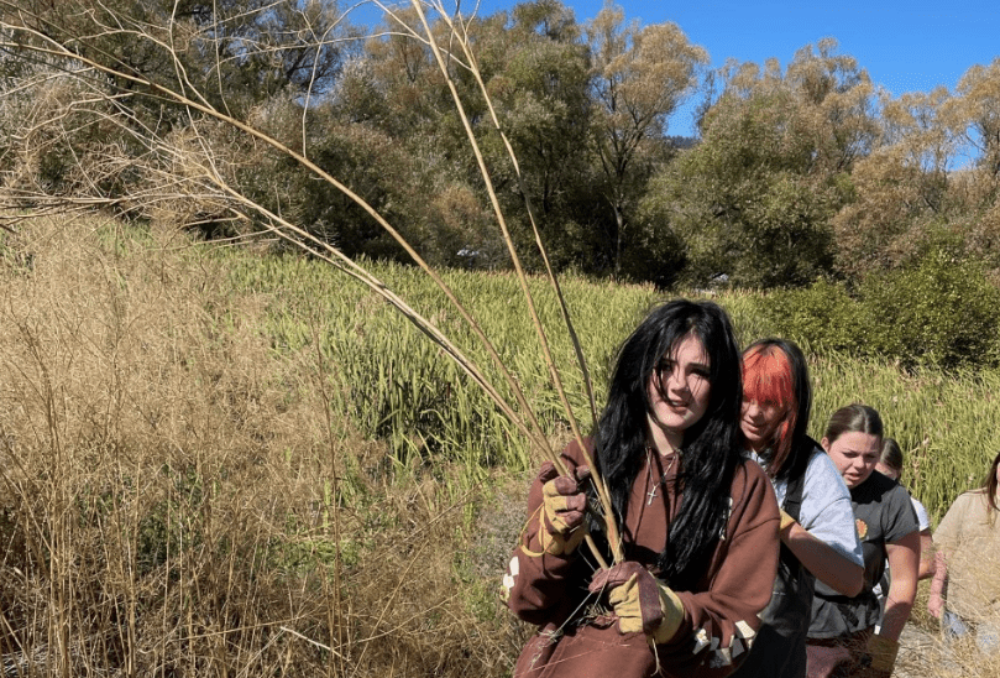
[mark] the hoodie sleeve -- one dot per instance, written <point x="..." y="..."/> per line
<point x="536" y="584"/>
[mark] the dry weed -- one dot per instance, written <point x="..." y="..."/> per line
<point x="179" y="499"/>
<point x="926" y="653"/>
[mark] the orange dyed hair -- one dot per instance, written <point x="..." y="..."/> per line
<point x="768" y="378"/>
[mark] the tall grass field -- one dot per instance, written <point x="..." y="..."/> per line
<point x="224" y="462"/>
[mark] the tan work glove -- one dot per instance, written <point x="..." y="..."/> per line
<point x="883" y="652"/>
<point x="786" y="522"/>
<point x="564" y="506"/>
<point x="641" y="601"/>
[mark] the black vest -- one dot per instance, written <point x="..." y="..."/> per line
<point x="779" y="649"/>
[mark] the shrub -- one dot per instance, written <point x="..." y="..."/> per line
<point x="941" y="312"/>
<point x="822" y="317"/>
<point x="944" y="311"/>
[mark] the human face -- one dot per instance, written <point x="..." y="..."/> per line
<point x="759" y="420"/>
<point x="855" y="455"/>
<point x="887" y="471"/>
<point x="679" y="389"/>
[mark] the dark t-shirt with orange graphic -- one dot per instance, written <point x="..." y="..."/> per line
<point x="883" y="514"/>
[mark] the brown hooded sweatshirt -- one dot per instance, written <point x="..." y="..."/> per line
<point x="580" y="639"/>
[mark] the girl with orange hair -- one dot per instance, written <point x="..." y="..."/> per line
<point x="818" y="536"/>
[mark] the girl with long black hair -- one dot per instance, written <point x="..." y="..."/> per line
<point x="698" y="522"/>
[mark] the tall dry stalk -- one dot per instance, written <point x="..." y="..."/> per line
<point x="169" y="486"/>
<point x="54" y="42"/>
<point x="461" y="36"/>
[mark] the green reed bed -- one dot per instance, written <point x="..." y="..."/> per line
<point x="397" y="387"/>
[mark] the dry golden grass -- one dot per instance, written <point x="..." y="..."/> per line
<point x="926" y="653"/>
<point x="179" y="499"/>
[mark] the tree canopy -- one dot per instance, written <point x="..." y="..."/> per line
<point x="797" y="173"/>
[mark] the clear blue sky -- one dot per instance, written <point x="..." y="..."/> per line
<point x="905" y="46"/>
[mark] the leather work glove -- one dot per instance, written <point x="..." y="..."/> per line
<point x="883" y="651"/>
<point x="564" y="506"/>
<point x="641" y="601"/>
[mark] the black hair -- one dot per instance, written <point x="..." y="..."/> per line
<point x="712" y="447"/>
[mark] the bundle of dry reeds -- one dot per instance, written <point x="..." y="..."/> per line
<point x="142" y="477"/>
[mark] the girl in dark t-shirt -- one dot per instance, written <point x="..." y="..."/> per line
<point x="842" y="641"/>
<point x="818" y="539"/>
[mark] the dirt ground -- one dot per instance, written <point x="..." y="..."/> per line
<point x="924" y="654"/>
<point x="919" y="652"/>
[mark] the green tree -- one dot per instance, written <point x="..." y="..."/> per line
<point x="753" y="200"/>
<point x="640" y="76"/>
<point x="541" y="93"/>
<point x="536" y="72"/>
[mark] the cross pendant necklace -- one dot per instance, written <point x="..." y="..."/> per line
<point x="652" y="493"/>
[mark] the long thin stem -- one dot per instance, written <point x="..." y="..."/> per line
<point x="193" y="101"/>
<point x="521" y="276"/>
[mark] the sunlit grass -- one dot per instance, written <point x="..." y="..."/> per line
<point x="204" y="432"/>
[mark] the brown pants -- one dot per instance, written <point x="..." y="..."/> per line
<point x="843" y="657"/>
